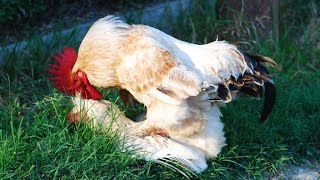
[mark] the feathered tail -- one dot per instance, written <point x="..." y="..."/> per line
<point x="257" y="82"/>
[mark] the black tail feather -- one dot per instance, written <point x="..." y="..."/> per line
<point x="269" y="100"/>
<point x="253" y="83"/>
<point x="260" y="72"/>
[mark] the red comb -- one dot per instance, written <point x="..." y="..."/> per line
<point x="62" y="71"/>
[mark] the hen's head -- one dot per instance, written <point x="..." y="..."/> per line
<point x="68" y="82"/>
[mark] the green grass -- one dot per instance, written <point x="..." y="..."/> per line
<point x="37" y="143"/>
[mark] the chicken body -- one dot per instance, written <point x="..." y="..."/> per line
<point x="181" y="84"/>
<point x="161" y="149"/>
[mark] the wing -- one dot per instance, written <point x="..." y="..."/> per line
<point x="151" y="70"/>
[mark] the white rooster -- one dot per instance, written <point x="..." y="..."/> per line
<point x="181" y="84"/>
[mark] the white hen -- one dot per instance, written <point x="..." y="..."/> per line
<point x="181" y="84"/>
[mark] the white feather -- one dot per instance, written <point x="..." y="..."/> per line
<point x="150" y="147"/>
<point x="172" y="78"/>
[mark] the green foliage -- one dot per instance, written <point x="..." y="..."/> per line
<point x="37" y="143"/>
<point x="12" y="12"/>
<point x="18" y="11"/>
<point x="23" y="19"/>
